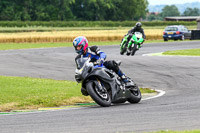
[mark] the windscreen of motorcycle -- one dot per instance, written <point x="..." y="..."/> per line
<point x="138" y="34"/>
<point x="81" y="61"/>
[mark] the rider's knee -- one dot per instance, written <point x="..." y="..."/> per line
<point x="112" y="64"/>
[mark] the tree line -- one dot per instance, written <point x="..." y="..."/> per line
<point x="63" y="10"/>
<point x="172" y="10"/>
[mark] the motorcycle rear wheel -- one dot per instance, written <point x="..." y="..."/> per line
<point x="95" y="95"/>
<point x="135" y="95"/>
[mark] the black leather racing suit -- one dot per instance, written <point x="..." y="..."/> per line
<point x="133" y="30"/>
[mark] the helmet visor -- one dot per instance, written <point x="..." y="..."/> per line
<point x="78" y="47"/>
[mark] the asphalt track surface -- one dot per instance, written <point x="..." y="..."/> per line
<point x="178" y="76"/>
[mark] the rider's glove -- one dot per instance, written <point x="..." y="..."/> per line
<point x="142" y="42"/>
<point x="130" y="34"/>
<point x="100" y="61"/>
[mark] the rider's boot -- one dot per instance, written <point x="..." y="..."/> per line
<point x="124" y="79"/>
<point x="122" y="76"/>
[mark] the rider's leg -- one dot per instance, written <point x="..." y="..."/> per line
<point x="122" y="76"/>
<point x="113" y="65"/>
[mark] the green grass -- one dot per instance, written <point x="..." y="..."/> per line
<point x="187" y="52"/>
<point x="10" y="46"/>
<point x="31" y="93"/>
<point x="25" y="92"/>
<point x="146" y="90"/>
<point x="192" y="131"/>
<point x="44" y="29"/>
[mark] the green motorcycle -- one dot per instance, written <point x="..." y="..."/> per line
<point x="130" y="47"/>
<point x="123" y="45"/>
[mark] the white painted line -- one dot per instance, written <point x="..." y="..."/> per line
<point x="160" y="54"/>
<point x="161" y="93"/>
<point x="153" y="54"/>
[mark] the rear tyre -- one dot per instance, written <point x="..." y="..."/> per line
<point x="103" y="99"/>
<point x="128" y="53"/>
<point x="165" y="39"/>
<point x="135" y="95"/>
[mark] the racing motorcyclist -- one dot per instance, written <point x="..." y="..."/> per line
<point x="136" y="28"/>
<point x="80" y="44"/>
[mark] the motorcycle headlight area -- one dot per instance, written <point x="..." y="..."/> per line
<point x="132" y="40"/>
<point x="78" y="75"/>
<point x="78" y="79"/>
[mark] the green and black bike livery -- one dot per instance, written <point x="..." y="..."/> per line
<point x="131" y="46"/>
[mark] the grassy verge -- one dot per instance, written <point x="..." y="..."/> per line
<point x="187" y="52"/>
<point x="193" y="131"/>
<point x="43" y="29"/>
<point x="32" y="93"/>
<point x="9" y="46"/>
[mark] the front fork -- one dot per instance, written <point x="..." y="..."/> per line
<point x="130" y="43"/>
<point x="100" y="86"/>
<point x="101" y="90"/>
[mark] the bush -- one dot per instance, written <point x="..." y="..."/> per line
<point x="90" y="23"/>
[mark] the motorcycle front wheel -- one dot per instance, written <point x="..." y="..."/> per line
<point x="101" y="98"/>
<point x="134" y="49"/>
<point x="135" y="95"/>
<point x="123" y="50"/>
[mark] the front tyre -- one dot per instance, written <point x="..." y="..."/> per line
<point x="135" y="95"/>
<point x="165" y="39"/>
<point x="134" y="49"/>
<point x="101" y="98"/>
<point x="123" y="48"/>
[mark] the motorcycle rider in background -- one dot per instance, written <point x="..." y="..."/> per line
<point x="80" y="44"/>
<point x="136" y="28"/>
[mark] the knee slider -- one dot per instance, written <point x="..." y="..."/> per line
<point x="116" y="63"/>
